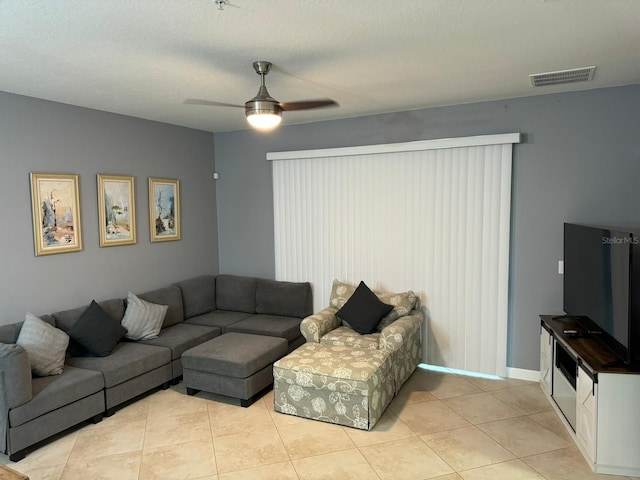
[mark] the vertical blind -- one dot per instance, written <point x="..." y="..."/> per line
<point x="428" y="216"/>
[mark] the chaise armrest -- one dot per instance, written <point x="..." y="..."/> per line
<point x="319" y="324"/>
<point x="402" y="339"/>
<point x="394" y="336"/>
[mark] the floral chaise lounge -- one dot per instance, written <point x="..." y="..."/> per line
<point x="346" y="377"/>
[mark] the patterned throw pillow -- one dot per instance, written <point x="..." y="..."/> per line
<point x="45" y="344"/>
<point x="340" y="293"/>
<point x="402" y="303"/>
<point x="143" y="320"/>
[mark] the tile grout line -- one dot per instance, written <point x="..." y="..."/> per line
<point x="213" y="442"/>
<point x="144" y="436"/>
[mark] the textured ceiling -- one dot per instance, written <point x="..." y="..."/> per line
<point x="146" y="57"/>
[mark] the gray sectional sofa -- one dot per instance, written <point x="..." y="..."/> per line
<point x="34" y="408"/>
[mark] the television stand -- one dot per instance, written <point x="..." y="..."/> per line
<point x="613" y="364"/>
<point x="565" y="317"/>
<point x="595" y="394"/>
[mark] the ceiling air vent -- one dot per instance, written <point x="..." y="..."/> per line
<point x="562" y="77"/>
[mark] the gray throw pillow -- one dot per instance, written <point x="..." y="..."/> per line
<point x="143" y="320"/>
<point x="14" y="360"/>
<point x="46" y="346"/>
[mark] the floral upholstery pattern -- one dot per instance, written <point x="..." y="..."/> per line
<point x="340" y="293"/>
<point x="347" y="337"/>
<point x="335" y="384"/>
<point x="319" y="324"/>
<point x="340" y="376"/>
<point x="401" y="338"/>
<point x="402" y="303"/>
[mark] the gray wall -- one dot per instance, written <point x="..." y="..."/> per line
<point x="42" y="136"/>
<point x="580" y="162"/>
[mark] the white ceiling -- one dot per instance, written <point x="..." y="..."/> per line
<point x="146" y="57"/>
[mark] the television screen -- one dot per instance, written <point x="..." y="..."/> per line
<point x="596" y="279"/>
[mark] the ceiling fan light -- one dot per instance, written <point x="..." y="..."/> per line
<point x="262" y="111"/>
<point x="264" y="120"/>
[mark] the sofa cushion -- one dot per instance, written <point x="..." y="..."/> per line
<point x="127" y="360"/>
<point x="340" y="293"/>
<point x="96" y="331"/>
<point x="219" y="318"/>
<point x="271" y="325"/>
<point x="402" y="303"/>
<point x="347" y="337"/>
<point x="143" y="320"/>
<point x="181" y="337"/>
<point x="364" y="310"/>
<point x="50" y="393"/>
<point x="9" y="333"/>
<point x="235" y="293"/>
<point x="170" y="296"/>
<point x="198" y="295"/>
<point x="14" y="360"/>
<point x="46" y="346"/>
<point x="67" y="318"/>
<point x="289" y="299"/>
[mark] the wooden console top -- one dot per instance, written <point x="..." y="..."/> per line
<point x="588" y="349"/>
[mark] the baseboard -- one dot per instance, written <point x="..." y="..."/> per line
<point x="522" y="374"/>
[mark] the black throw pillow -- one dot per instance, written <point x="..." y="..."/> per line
<point x="96" y="331"/>
<point x="364" y="310"/>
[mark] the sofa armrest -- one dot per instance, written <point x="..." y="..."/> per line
<point x="4" y="414"/>
<point x="394" y="336"/>
<point x="319" y="324"/>
<point x="15" y="384"/>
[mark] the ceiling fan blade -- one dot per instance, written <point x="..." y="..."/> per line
<point x="308" y="104"/>
<point x="196" y="101"/>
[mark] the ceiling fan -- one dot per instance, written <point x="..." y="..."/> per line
<point x="263" y="111"/>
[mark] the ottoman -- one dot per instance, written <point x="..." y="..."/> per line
<point x="237" y="365"/>
<point x="344" y="385"/>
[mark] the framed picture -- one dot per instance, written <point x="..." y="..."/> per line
<point x="56" y="213"/>
<point x="116" y="210"/>
<point x="164" y="209"/>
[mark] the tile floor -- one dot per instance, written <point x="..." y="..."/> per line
<point x="442" y="425"/>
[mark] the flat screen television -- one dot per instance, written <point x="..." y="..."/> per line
<point x="602" y="285"/>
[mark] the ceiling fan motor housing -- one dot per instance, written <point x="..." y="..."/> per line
<point x="263" y="103"/>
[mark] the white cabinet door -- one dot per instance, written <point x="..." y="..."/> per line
<point x="546" y="360"/>
<point x="586" y="413"/>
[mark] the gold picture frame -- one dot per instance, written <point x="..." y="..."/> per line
<point x="56" y="213"/>
<point x="116" y="210"/>
<point x="164" y="209"/>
